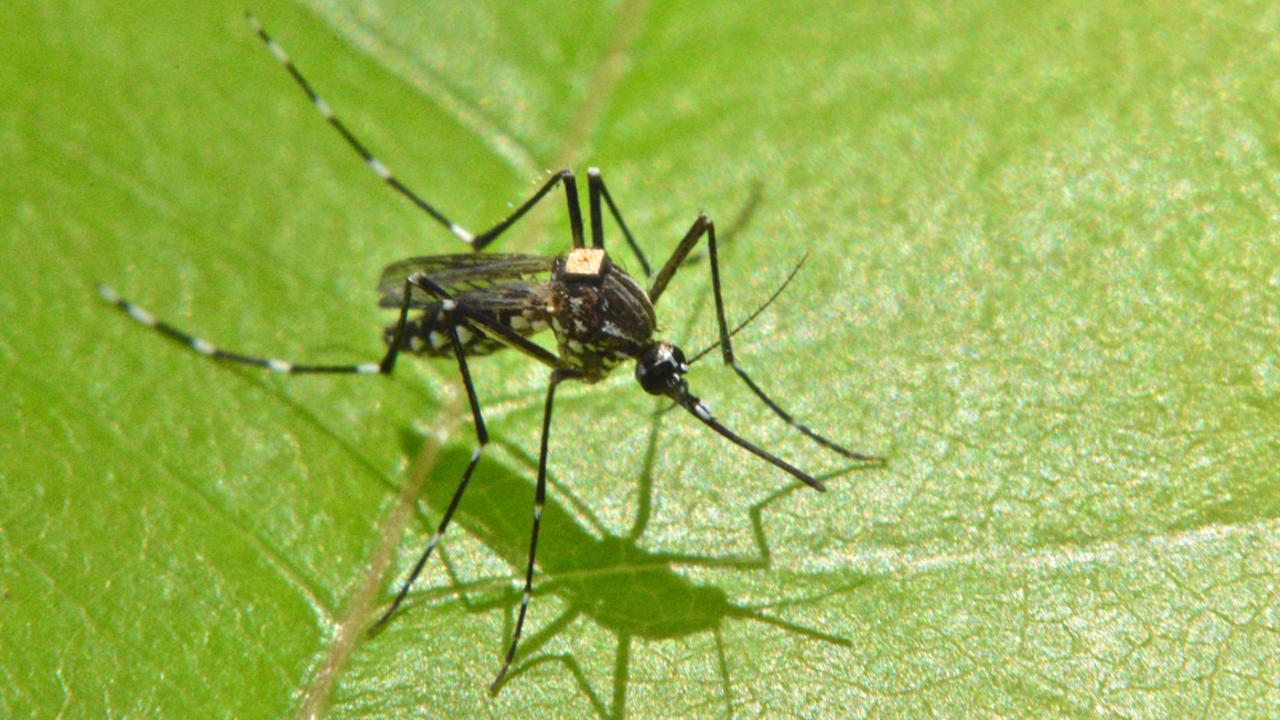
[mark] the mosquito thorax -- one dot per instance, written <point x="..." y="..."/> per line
<point x="660" y="370"/>
<point x="600" y="314"/>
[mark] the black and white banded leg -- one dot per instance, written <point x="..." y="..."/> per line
<point x="387" y="364"/>
<point x="286" y="367"/>
<point x="559" y="374"/>
<point x="704" y="226"/>
<point x="376" y="165"/>
<point x="480" y="241"/>
<point x="539" y="500"/>
<point x="477" y="242"/>
<point x="482" y="439"/>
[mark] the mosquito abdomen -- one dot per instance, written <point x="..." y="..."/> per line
<point x="427" y="334"/>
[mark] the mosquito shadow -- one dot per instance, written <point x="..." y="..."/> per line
<point x="608" y="579"/>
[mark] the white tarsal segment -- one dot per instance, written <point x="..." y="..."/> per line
<point x="204" y="347"/>
<point x="379" y="168"/>
<point x="108" y="294"/>
<point x="369" y="369"/>
<point x="702" y="411"/>
<point x="279" y="366"/>
<point x="278" y="51"/>
<point x="462" y="234"/>
<point x="140" y="315"/>
<point x="324" y="108"/>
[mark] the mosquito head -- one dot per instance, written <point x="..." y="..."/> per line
<point x="660" y="370"/>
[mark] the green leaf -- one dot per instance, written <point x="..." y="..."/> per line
<point x="1042" y="279"/>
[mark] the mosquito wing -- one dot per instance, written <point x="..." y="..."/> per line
<point x="510" y="292"/>
<point x="486" y="282"/>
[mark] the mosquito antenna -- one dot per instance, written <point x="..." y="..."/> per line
<point x="751" y="318"/>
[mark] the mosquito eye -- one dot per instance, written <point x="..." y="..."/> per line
<point x="653" y="378"/>
<point x="659" y="369"/>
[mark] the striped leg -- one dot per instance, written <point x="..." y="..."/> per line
<point x="539" y="499"/>
<point x="705" y="227"/>
<point x="450" y="305"/>
<point x="208" y="349"/>
<point x="477" y="242"/>
<point x="482" y="439"/>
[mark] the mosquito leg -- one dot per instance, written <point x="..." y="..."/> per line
<point x="461" y="590"/>
<point x="595" y="186"/>
<point x="540" y="498"/>
<point x="597" y="189"/>
<point x="703" y="226"/>
<point x="208" y="349"/>
<point x="804" y="429"/>
<point x="726" y="351"/>
<point x="571" y="195"/>
<point x="668" y="271"/>
<point x="493" y="329"/>
<point x="477" y="242"/>
<point x="535" y="642"/>
<point x="482" y="438"/>
<point x="350" y="138"/>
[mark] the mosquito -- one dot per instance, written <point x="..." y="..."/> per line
<point x="462" y="306"/>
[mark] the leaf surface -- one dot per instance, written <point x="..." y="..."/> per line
<point x="1042" y="280"/>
